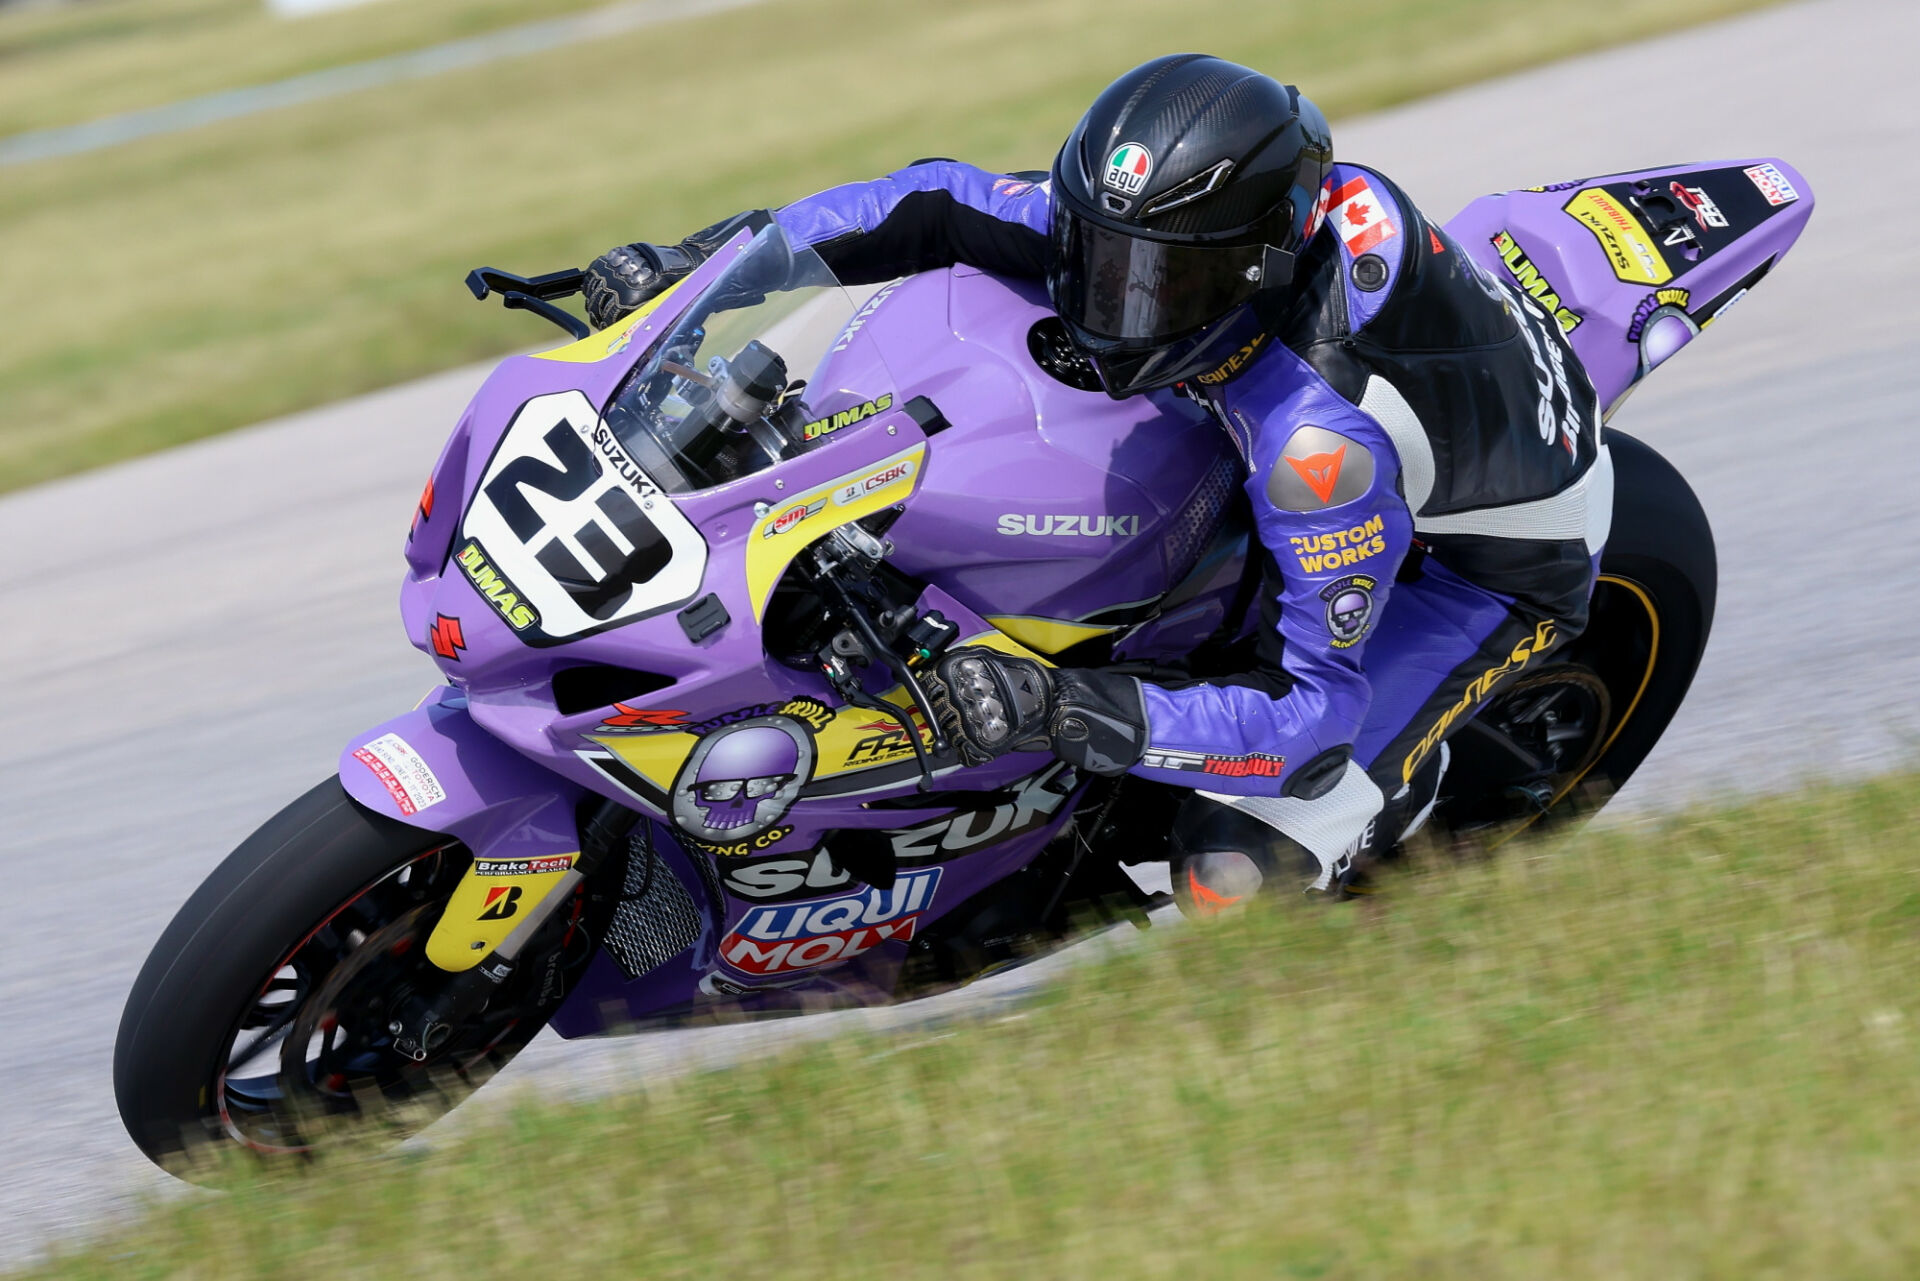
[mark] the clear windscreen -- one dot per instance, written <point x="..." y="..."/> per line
<point x="727" y="390"/>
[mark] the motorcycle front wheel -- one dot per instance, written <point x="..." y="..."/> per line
<point x="261" y="1018"/>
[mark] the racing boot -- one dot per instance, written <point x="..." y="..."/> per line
<point x="1222" y="857"/>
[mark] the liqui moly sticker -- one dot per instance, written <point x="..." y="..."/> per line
<point x="402" y="771"/>
<point x="1128" y="168"/>
<point x="1772" y="184"/>
<point x="1359" y="217"/>
<point x="779" y="939"/>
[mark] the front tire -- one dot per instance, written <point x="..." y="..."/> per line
<point x="260" y="1017"/>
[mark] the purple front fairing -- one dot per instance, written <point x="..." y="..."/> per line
<point x="1674" y="246"/>
<point x="464" y="782"/>
<point x="629" y="744"/>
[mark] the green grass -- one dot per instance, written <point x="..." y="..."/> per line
<point x="1676" y="1052"/>
<point x="78" y="61"/>
<point x="188" y="284"/>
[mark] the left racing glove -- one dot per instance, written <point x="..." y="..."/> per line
<point x="991" y="703"/>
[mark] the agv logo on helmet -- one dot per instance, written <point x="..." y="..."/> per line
<point x="1128" y="168"/>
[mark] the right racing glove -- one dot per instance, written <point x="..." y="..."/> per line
<point x="624" y="277"/>
<point x="627" y="276"/>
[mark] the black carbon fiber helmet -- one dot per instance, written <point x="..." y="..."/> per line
<point x="1180" y="198"/>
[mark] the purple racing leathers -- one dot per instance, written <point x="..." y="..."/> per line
<point x="930" y="215"/>
<point x="1401" y="400"/>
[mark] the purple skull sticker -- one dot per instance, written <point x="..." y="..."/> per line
<point x="1349" y="608"/>
<point x="738" y="781"/>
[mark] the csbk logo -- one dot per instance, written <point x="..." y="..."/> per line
<point x="1082" y="526"/>
<point x="891" y="474"/>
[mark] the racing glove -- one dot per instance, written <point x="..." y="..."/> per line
<point x="627" y="276"/>
<point x="991" y="703"/>
<point x="624" y="277"/>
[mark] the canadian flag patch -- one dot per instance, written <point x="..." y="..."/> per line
<point x="1359" y="217"/>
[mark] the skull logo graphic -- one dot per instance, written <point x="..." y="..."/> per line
<point x="1349" y="609"/>
<point x="738" y="781"/>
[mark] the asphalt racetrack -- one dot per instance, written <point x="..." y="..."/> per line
<point x="195" y="634"/>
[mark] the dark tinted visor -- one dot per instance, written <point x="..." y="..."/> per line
<point x="1125" y="287"/>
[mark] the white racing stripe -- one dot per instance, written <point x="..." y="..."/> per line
<point x="1581" y="510"/>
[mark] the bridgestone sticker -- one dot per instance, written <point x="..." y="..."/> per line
<point x="400" y="769"/>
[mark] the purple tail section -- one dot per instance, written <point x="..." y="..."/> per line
<point x="1634" y="265"/>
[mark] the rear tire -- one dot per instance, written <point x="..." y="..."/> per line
<point x="1653" y="607"/>
<point x="1651" y="613"/>
<point x="250" y="953"/>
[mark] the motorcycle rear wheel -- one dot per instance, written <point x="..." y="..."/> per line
<point x="1621" y="681"/>
<point x="261" y="1017"/>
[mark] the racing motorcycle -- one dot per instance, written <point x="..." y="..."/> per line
<point x="682" y="577"/>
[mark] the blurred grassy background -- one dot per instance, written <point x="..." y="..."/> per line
<point x="1680" y="1052"/>
<point x="79" y="60"/>
<point x="183" y="285"/>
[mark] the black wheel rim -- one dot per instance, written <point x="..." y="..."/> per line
<point x="1527" y="749"/>
<point x="314" y="1047"/>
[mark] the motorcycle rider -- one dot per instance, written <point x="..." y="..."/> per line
<point x="1422" y="447"/>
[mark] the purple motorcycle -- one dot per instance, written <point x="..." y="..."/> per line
<point x="682" y="576"/>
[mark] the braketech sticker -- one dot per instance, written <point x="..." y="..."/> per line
<point x="522" y="866"/>
<point x="401" y="770"/>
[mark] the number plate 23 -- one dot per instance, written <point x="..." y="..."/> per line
<point x="566" y="522"/>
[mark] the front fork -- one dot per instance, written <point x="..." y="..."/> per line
<point x="421" y="1024"/>
<point x="434" y="768"/>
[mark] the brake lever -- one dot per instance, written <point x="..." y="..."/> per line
<point x="534" y="294"/>
<point x="555" y="284"/>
